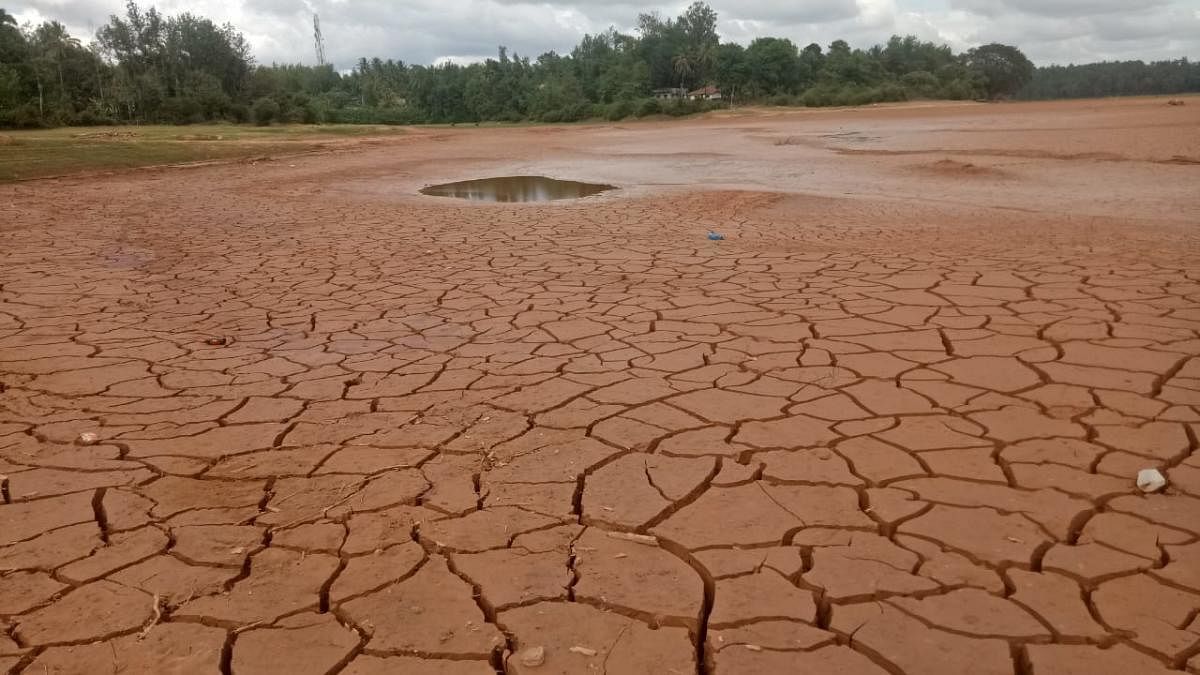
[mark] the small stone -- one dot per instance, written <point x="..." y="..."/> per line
<point x="586" y="651"/>
<point x="1151" y="480"/>
<point x="88" y="438"/>
<point x="217" y="341"/>
<point x="824" y="454"/>
<point x="534" y="656"/>
<point x="753" y="648"/>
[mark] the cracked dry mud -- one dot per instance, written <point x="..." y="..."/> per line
<point x="870" y="433"/>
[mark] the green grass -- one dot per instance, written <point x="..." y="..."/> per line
<point x="55" y="152"/>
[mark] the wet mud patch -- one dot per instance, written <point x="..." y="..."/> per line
<point x="955" y="168"/>
<point x="509" y="189"/>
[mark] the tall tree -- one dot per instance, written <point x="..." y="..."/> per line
<point x="1004" y="67"/>
<point x="730" y="70"/>
<point x="772" y="65"/>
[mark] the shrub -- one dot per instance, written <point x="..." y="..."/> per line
<point x="920" y="83"/>
<point x="91" y="118"/>
<point x="239" y="113"/>
<point x="815" y="97"/>
<point x="581" y="111"/>
<point x="648" y="107"/>
<point x="23" y="116"/>
<point x="265" y="111"/>
<point x="959" y="90"/>
<point x="618" y="110"/>
<point x="678" y="107"/>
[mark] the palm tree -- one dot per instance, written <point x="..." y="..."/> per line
<point x="684" y="67"/>
<point x="56" y="42"/>
<point x="705" y="58"/>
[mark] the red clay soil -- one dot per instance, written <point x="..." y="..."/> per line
<point x="890" y="424"/>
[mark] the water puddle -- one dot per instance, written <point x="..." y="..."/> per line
<point x="515" y="189"/>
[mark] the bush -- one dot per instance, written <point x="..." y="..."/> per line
<point x="265" y="111"/>
<point x="361" y="115"/>
<point x="920" y="83"/>
<point x="891" y="92"/>
<point x="818" y="96"/>
<point x="21" y="117"/>
<point x="181" y="110"/>
<point x="239" y="113"/>
<point x="648" y="107"/>
<point x="959" y="90"/>
<point x="618" y="110"/>
<point x="678" y="107"/>
<point x="291" y="115"/>
<point x="91" y="118"/>
<point x="580" y="111"/>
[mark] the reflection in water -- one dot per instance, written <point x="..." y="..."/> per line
<point x="515" y="189"/>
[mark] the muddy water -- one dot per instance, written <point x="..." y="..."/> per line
<point x="515" y="189"/>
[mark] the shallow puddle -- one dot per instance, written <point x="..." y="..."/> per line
<point x="516" y="189"/>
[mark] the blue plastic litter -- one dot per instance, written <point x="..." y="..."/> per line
<point x="715" y="236"/>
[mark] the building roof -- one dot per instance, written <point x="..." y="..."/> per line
<point x="710" y="90"/>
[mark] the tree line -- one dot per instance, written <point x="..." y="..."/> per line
<point x="144" y="67"/>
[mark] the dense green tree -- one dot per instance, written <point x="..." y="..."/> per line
<point x="144" y="66"/>
<point x="1113" y="78"/>
<point x="1005" y="68"/>
<point x="731" y="71"/>
<point x="812" y="62"/>
<point x="773" y="66"/>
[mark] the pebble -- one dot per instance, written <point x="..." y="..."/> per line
<point x="534" y="656"/>
<point x="1151" y="480"/>
<point x="88" y="438"/>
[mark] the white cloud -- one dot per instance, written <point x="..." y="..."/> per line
<point x="424" y="31"/>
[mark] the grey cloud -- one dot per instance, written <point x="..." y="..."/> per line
<point x="422" y="31"/>
<point x="788" y="13"/>
<point x="1056" y="8"/>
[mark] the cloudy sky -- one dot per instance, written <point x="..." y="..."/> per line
<point x="424" y="31"/>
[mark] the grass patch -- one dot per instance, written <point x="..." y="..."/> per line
<point x="56" y="152"/>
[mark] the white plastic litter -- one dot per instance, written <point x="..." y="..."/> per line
<point x="1151" y="480"/>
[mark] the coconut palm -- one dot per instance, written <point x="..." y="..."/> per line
<point x="684" y="66"/>
<point x="55" y="42"/>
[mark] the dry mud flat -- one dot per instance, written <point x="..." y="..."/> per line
<point x="889" y="425"/>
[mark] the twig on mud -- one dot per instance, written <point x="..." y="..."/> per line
<point x="242" y="629"/>
<point x="636" y="538"/>
<point x="284" y="499"/>
<point x="153" y="622"/>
